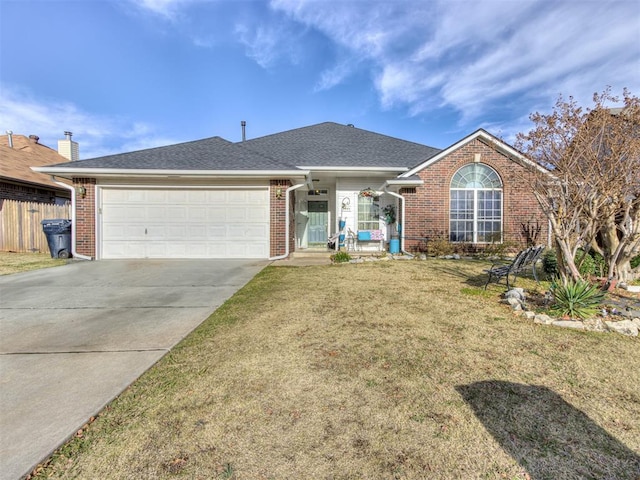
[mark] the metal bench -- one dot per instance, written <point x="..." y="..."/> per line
<point x="527" y="258"/>
<point x="364" y="236"/>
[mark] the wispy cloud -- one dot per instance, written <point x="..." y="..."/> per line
<point x="25" y="114"/>
<point x="168" y="9"/>
<point x="270" y="43"/>
<point x="477" y="56"/>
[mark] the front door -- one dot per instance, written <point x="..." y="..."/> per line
<point x="318" y="222"/>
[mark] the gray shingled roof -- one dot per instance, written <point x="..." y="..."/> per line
<point x="213" y="153"/>
<point x="322" y="145"/>
<point x="333" y="145"/>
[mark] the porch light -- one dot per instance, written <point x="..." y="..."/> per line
<point x="278" y="193"/>
<point x="81" y="191"/>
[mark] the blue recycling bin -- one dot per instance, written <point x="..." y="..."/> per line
<point x="394" y="245"/>
<point x="58" y="233"/>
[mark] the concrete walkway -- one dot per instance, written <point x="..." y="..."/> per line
<point x="74" y="337"/>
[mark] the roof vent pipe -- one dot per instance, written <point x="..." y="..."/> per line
<point x="10" y="138"/>
<point x="243" y="124"/>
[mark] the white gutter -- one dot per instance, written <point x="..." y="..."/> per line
<point x="286" y="217"/>
<point x="73" y="218"/>
<point x="316" y="168"/>
<point x="143" y="172"/>
<point x="404" y="219"/>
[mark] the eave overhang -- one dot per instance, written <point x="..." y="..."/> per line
<point x="396" y="184"/>
<point x="186" y="174"/>
<point x="489" y="140"/>
<point x="383" y="170"/>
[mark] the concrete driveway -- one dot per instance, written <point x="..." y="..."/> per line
<point x="73" y="337"/>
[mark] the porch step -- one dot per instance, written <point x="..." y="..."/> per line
<point x="312" y="253"/>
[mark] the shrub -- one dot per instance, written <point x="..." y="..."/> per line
<point x="340" y="257"/>
<point x="499" y="250"/>
<point x="440" y="247"/>
<point x="635" y="261"/>
<point x="550" y="263"/>
<point x="601" y="264"/>
<point x="577" y="299"/>
<point x="585" y="263"/>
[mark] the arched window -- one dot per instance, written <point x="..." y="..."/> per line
<point x="476" y="205"/>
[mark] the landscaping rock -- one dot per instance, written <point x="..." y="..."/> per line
<point x="543" y="319"/>
<point x="517" y="293"/>
<point x="595" y="325"/>
<point x="514" y="302"/>
<point x="516" y="298"/>
<point x="568" y="324"/>
<point x="624" y="327"/>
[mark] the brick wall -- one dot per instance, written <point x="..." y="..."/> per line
<point x="86" y="217"/>
<point x="278" y="217"/>
<point x="427" y="206"/>
<point x="26" y="193"/>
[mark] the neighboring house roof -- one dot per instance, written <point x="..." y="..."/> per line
<point x="15" y="162"/>
<point x="334" y="145"/>
<point x="486" y="138"/>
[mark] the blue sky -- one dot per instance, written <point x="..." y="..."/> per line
<point x="124" y="75"/>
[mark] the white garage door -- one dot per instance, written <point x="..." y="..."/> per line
<point x="184" y="223"/>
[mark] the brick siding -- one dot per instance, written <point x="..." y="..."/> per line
<point x="277" y="214"/>
<point x="26" y="193"/>
<point x="86" y="217"/>
<point x="427" y="206"/>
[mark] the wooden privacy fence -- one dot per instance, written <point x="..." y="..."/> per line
<point x="20" y="227"/>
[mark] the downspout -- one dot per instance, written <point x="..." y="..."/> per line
<point x="404" y="220"/>
<point x="73" y="218"/>
<point x="286" y="216"/>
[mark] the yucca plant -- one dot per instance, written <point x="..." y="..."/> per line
<point x="576" y="298"/>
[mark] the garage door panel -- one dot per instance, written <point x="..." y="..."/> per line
<point x="196" y="232"/>
<point x="198" y="214"/>
<point x="217" y="214"/>
<point x="184" y="223"/>
<point x="257" y="214"/>
<point x="156" y="196"/>
<point x="245" y="232"/>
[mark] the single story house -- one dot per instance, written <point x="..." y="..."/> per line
<point x="18" y="181"/>
<point x="297" y="190"/>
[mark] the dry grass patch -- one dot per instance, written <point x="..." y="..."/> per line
<point x="403" y="370"/>
<point x="11" y="262"/>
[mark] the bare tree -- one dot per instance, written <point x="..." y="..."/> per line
<point x="592" y="194"/>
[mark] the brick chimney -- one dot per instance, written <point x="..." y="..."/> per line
<point x="68" y="148"/>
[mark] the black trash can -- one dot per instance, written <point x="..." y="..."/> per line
<point x="58" y="232"/>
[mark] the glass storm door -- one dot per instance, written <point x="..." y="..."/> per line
<point x="318" y="222"/>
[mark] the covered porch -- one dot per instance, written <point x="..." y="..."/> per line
<point x="352" y="213"/>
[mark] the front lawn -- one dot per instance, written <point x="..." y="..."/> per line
<point x="12" y="262"/>
<point x="388" y="370"/>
